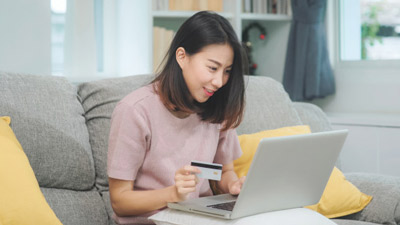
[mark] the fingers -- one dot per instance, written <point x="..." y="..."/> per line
<point x="187" y="173"/>
<point x="179" y="176"/>
<point x="188" y="170"/>
<point x="234" y="190"/>
<point x="185" y="191"/>
<point x="236" y="186"/>
<point x="242" y="179"/>
<point x="186" y="181"/>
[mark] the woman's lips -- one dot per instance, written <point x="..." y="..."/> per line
<point x="208" y="93"/>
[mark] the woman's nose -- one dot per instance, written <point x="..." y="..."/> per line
<point x="218" y="80"/>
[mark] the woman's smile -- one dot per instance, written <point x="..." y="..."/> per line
<point x="209" y="92"/>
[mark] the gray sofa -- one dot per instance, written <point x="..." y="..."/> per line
<point x="63" y="129"/>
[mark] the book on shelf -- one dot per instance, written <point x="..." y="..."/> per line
<point x="162" y="39"/>
<point x="266" y="6"/>
<point x="215" y="5"/>
<point x="195" y="5"/>
<point x="246" y="6"/>
<point x="160" y="5"/>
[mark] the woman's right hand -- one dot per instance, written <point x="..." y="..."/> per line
<point x="185" y="181"/>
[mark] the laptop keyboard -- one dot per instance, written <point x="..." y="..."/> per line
<point x="228" y="206"/>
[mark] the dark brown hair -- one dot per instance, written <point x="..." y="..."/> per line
<point x="226" y="106"/>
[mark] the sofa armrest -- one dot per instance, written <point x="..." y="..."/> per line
<point x="384" y="207"/>
<point x="313" y="116"/>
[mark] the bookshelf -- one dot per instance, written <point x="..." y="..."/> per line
<point x="268" y="54"/>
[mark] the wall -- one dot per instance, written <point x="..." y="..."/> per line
<point x="25" y="36"/>
<point x="370" y="148"/>
<point x="364" y="90"/>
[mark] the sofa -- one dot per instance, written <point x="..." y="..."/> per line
<point x="63" y="129"/>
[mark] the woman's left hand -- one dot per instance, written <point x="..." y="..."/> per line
<point x="236" y="186"/>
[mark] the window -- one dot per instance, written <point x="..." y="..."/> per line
<point x="369" y="30"/>
<point x="58" y="21"/>
<point x="58" y="9"/>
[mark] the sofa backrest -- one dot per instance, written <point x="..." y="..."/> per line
<point x="48" y="120"/>
<point x="99" y="99"/>
<point x="267" y="106"/>
<point x="64" y="131"/>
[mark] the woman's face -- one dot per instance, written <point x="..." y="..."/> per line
<point x="206" y="71"/>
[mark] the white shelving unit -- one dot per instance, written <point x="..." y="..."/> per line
<point x="265" y="17"/>
<point x="269" y="54"/>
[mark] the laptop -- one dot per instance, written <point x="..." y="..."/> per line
<point x="286" y="172"/>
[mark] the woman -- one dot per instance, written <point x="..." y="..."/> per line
<point x="187" y="113"/>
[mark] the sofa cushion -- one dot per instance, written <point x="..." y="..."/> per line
<point x="98" y="100"/>
<point x="352" y="222"/>
<point x="268" y="106"/>
<point x="48" y="120"/>
<point x="107" y="201"/>
<point x="77" y="207"/>
<point x="384" y="207"/>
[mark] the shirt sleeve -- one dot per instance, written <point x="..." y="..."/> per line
<point x="128" y="142"/>
<point x="228" y="147"/>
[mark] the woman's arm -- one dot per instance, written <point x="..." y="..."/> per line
<point x="125" y="201"/>
<point x="229" y="182"/>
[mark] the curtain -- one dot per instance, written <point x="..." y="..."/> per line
<point x="80" y="43"/>
<point x="118" y="47"/>
<point x="308" y="73"/>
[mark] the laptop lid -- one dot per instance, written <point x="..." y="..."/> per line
<point x="286" y="172"/>
<point x="289" y="172"/>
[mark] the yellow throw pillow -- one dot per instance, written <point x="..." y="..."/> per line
<point x="249" y="144"/>
<point x="6" y="131"/>
<point x="339" y="198"/>
<point x="21" y="201"/>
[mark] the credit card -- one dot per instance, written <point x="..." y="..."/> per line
<point x="211" y="171"/>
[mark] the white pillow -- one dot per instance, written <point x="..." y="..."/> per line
<point x="298" y="216"/>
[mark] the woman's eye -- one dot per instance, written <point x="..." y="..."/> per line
<point x="213" y="68"/>
<point x="228" y="71"/>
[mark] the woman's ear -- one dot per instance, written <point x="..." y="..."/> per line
<point x="180" y="55"/>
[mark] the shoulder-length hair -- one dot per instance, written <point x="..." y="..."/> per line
<point x="226" y="106"/>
